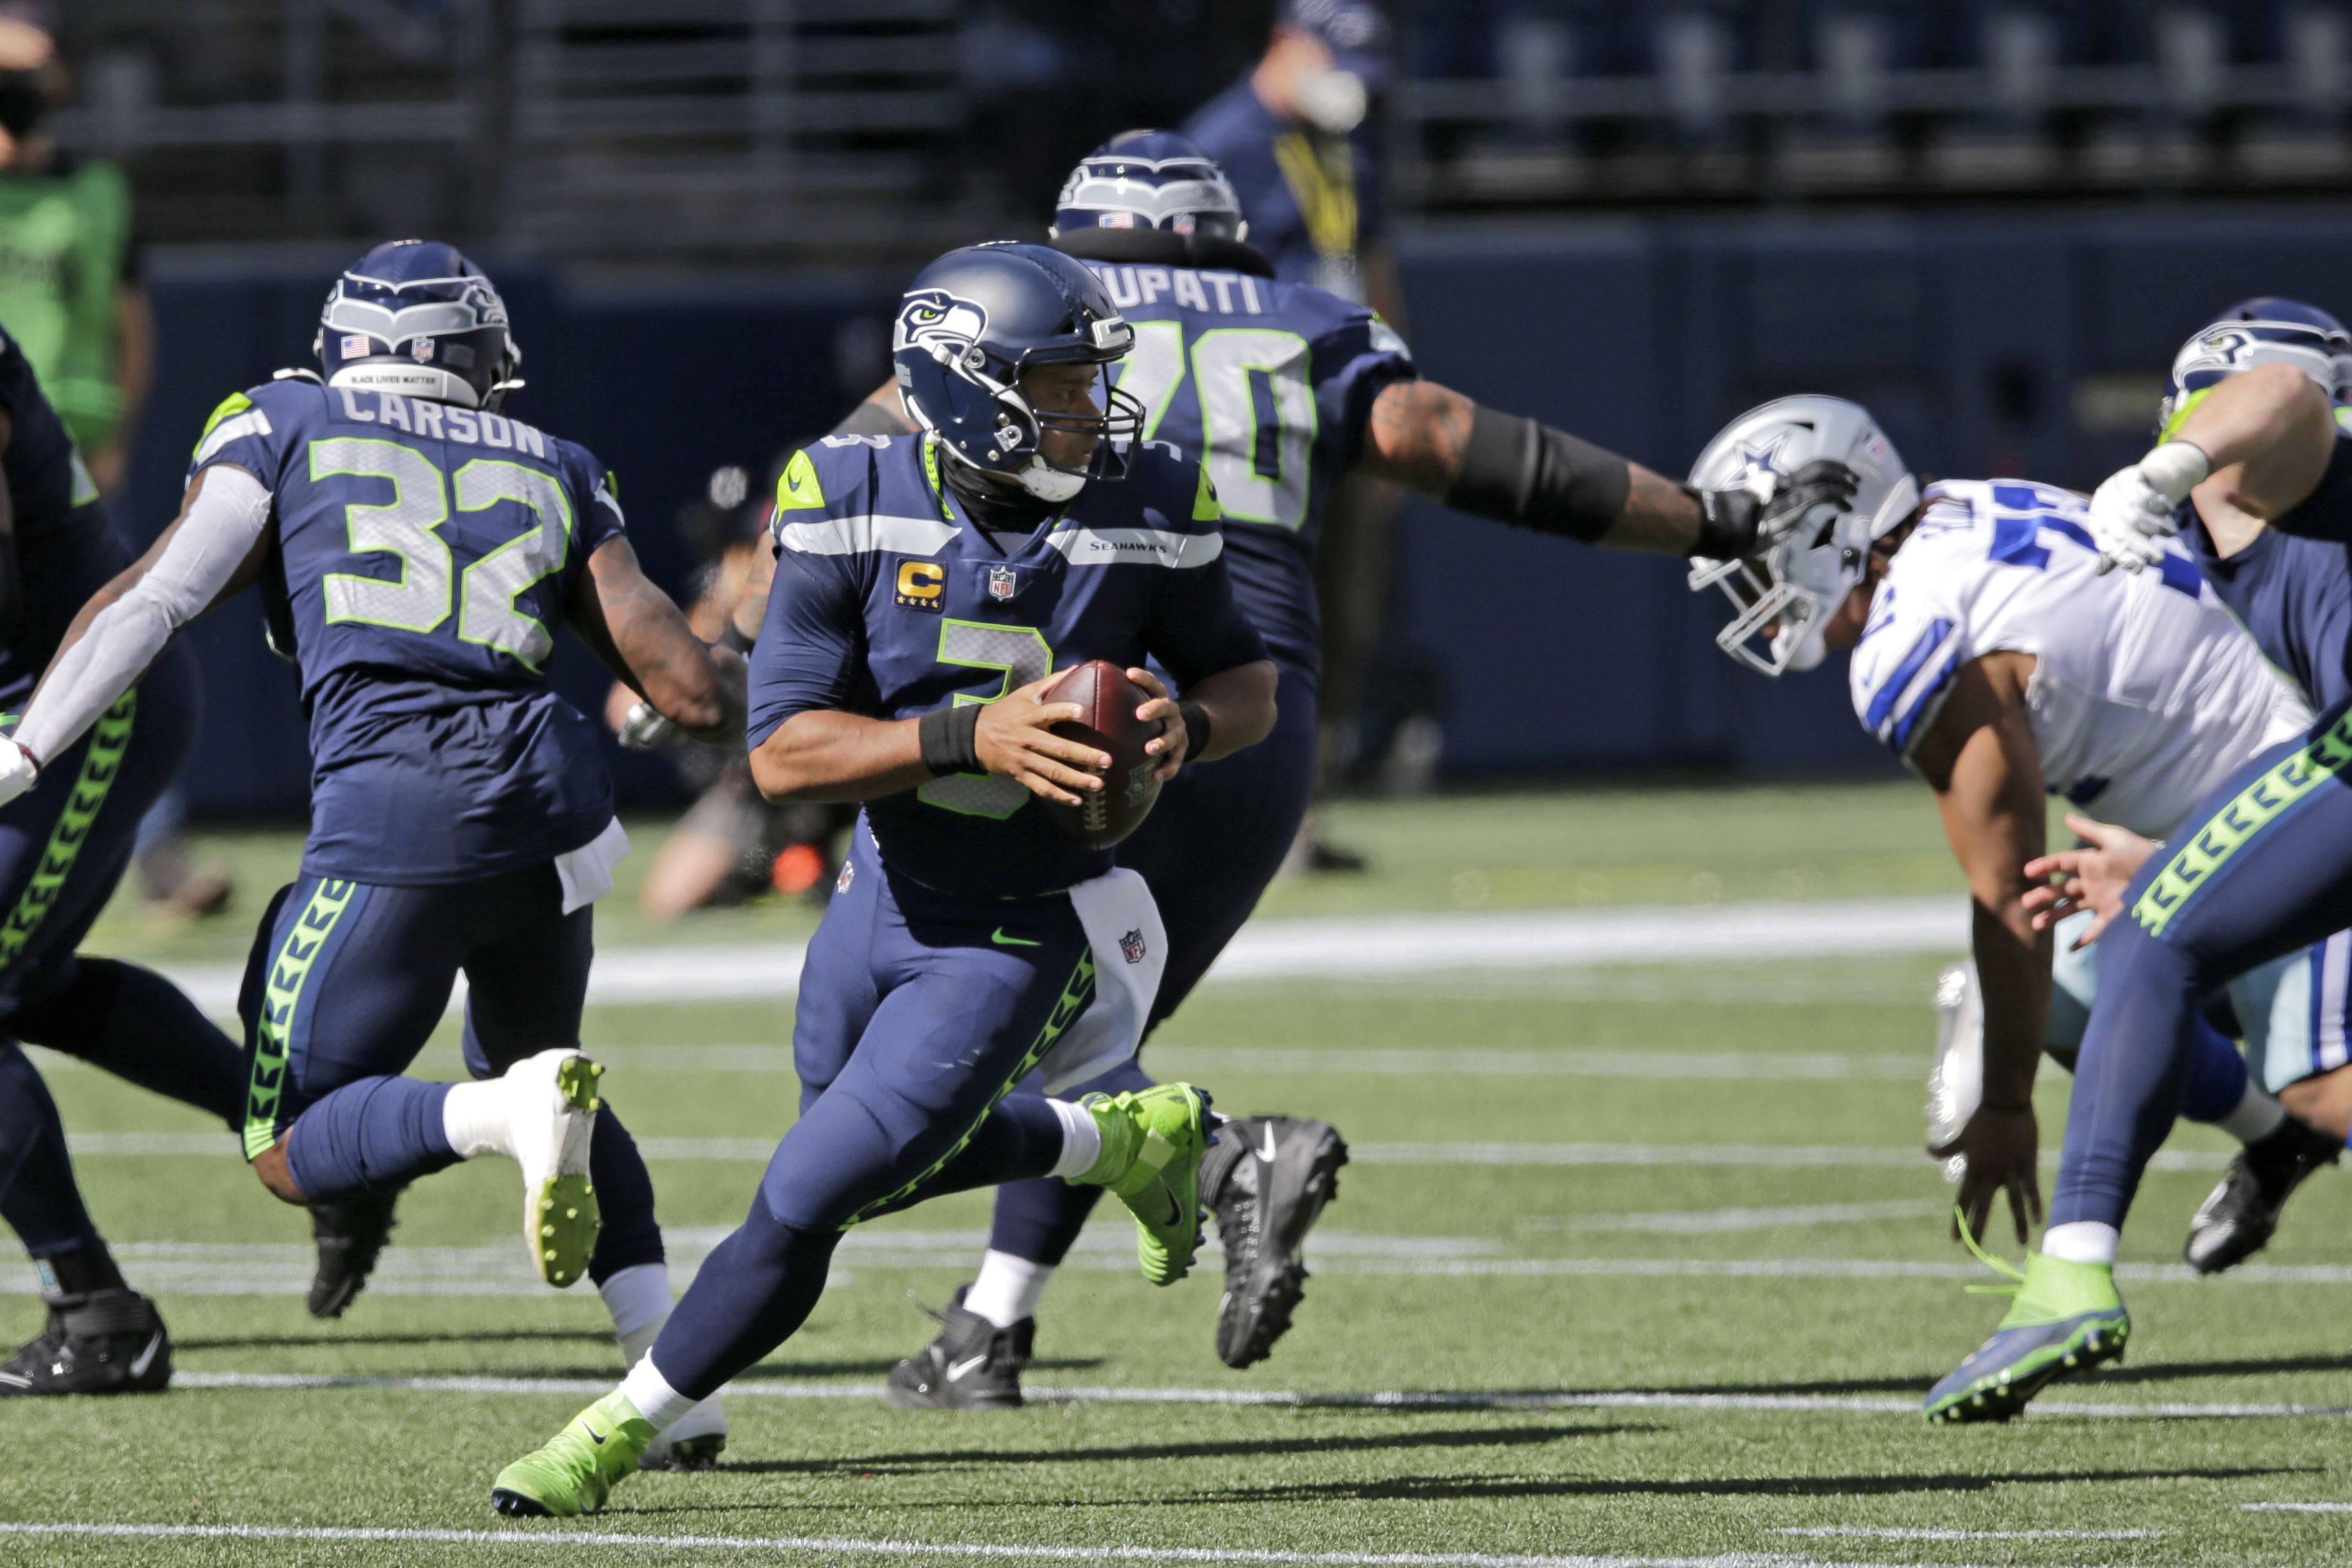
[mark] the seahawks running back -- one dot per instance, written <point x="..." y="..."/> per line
<point x="1281" y="388"/>
<point x="926" y="589"/>
<point x="418" y="548"/>
<point x="2252" y="471"/>
<point x="63" y="847"/>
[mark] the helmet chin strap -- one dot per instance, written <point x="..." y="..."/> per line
<point x="1047" y="483"/>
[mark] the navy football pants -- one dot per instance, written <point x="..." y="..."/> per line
<point x="347" y="982"/>
<point x="2268" y="871"/>
<point x="1208" y="850"/>
<point x="63" y="848"/>
<point x="917" y="1014"/>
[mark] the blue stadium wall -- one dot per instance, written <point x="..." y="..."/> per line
<point x="2012" y="345"/>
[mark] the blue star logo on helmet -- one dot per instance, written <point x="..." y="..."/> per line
<point x="933" y="318"/>
<point x="1757" y="462"/>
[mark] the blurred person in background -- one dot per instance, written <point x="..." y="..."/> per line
<point x="71" y="295"/>
<point x="731" y="845"/>
<point x="1299" y="139"/>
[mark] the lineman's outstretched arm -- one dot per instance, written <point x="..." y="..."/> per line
<point x="1434" y="442"/>
<point x="642" y="636"/>
<point x="210" y="550"/>
<point x="2250" y="451"/>
<point x="1979" y="756"/>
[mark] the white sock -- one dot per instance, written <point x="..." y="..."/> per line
<point x="1008" y="1289"/>
<point x="639" y="1299"/>
<point x="474" y="1119"/>
<point x="1081" y="1141"/>
<point x="650" y="1391"/>
<point x="2081" y="1241"/>
<point x="2256" y="1116"/>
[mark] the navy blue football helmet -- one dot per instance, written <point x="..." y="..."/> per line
<point x="973" y="322"/>
<point x="1150" y="180"/>
<point x="415" y="317"/>
<point x="2264" y="331"/>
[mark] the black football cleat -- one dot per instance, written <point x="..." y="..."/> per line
<point x="1266" y="1179"/>
<point x="108" y="1342"/>
<point x="350" y="1238"/>
<point x="971" y="1365"/>
<point x="2238" y="1220"/>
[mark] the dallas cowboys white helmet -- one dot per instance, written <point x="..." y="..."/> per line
<point x="1784" y="598"/>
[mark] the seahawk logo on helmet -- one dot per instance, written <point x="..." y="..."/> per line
<point x="1783" y="599"/>
<point x="415" y="317"/>
<point x="932" y="318"/>
<point x="2261" y="332"/>
<point x="975" y="322"/>
<point x="1150" y="180"/>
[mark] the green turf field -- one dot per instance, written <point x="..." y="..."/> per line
<point x="1635" y="1264"/>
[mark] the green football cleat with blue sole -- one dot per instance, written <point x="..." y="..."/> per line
<point x="578" y="1469"/>
<point x="2067" y="1317"/>
<point x="1154" y="1141"/>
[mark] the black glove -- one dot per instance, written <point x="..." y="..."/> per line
<point x="1823" y="482"/>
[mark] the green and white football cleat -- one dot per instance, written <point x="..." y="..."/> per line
<point x="554" y="1108"/>
<point x="578" y="1469"/>
<point x="1152" y="1143"/>
<point x="2067" y="1317"/>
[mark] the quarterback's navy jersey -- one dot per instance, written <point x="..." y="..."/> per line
<point x="426" y="553"/>
<point x="1273" y="385"/>
<point x="2294" y="591"/>
<point x="1313" y="200"/>
<point x="888" y="602"/>
<point x="64" y="549"/>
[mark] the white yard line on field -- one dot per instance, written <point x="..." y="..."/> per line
<point x="1718" y="1221"/>
<point x="2297" y="1507"/>
<point x="1209" y="1059"/>
<point x="1351" y="947"/>
<point x="578" y="1540"/>
<point x="1896" y="1533"/>
<point x="1390" y="1399"/>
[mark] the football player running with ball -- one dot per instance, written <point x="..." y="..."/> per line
<point x="1281" y="388"/>
<point x="416" y="548"/>
<point x="2252" y="473"/>
<point x="926" y="590"/>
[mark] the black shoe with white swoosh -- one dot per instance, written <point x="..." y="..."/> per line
<point x="972" y="1365"/>
<point x="108" y="1342"/>
<point x="1266" y="1179"/>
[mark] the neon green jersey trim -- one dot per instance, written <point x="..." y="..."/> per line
<point x="100" y="765"/>
<point x="274" y="1030"/>
<point x="2254" y="807"/>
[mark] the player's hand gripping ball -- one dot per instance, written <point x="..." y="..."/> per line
<point x="1110" y="702"/>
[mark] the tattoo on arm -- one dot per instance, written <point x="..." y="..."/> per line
<point x="1659" y="515"/>
<point x="1418" y="433"/>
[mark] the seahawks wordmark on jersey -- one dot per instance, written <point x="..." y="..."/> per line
<point x="1274" y="383"/>
<point x="888" y="602"/>
<point x="426" y="554"/>
<point x="2145" y="695"/>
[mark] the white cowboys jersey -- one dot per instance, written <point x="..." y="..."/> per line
<point x="2146" y="692"/>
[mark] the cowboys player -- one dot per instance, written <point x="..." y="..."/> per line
<point x="416" y="547"/>
<point x="1995" y="661"/>
<point x="1155" y="221"/>
<point x="2252" y="471"/>
<point x="926" y="590"/>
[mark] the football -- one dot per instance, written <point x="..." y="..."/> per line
<point x="1109" y="700"/>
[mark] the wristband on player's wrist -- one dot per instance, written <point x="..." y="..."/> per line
<point x="1196" y="727"/>
<point x="949" y="737"/>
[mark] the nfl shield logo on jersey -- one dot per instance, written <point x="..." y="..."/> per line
<point x="1001" y="582"/>
<point x="1131" y="945"/>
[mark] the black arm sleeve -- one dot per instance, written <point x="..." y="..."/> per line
<point x="870" y="418"/>
<point x="1530" y="475"/>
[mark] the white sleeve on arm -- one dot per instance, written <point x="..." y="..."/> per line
<point x="213" y="540"/>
